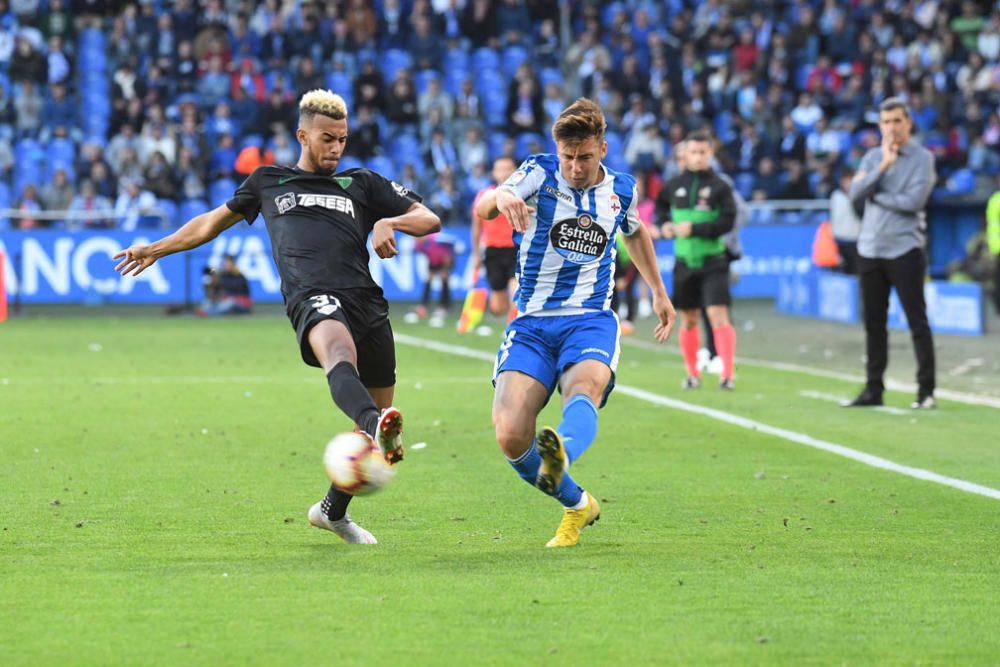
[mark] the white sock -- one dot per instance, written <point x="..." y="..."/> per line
<point x="584" y="501"/>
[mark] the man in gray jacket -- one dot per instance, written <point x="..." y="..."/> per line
<point x="892" y="186"/>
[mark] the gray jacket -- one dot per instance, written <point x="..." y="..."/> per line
<point x="894" y="220"/>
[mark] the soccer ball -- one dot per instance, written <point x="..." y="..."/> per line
<point x="355" y="464"/>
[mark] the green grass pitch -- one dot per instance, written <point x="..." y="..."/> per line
<point x="155" y="474"/>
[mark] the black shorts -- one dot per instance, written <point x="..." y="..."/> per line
<point x="499" y="267"/>
<point x="704" y="286"/>
<point x="365" y="313"/>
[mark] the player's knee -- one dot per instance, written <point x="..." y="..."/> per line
<point x="512" y="436"/>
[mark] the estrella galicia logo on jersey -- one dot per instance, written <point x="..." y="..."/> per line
<point x="578" y="239"/>
<point x="558" y="193"/>
<point x="285" y="202"/>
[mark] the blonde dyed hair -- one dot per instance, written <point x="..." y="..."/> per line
<point x="324" y="103"/>
<point x="580" y="121"/>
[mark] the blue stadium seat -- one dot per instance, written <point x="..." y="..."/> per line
<point x="495" y="142"/>
<point x="61" y="150"/>
<point x="616" y="145"/>
<point x="550" y="75"/>
<point x="495" y="106"/>
<point x="190" y="208"/>
<point x="394" y="60"/>
<point x="744" y="184"/>
<point x="490" y="81"/>
<point x="455" y="59"/>
<point x="526" y="143"/>
<point x="423" y="77"/>
<point x="340" y="83"/>
<point x="382" y="165"/>
<point x="221" y="191"/>
<point x="454" y="78"/>
<point x="349" y="162"/>
<point x="406" y="148"/>
<point x="512" y="58"/>
<point x="251" y="140"/>
<point x="169" y="217"/>
<point x="485" y="59"/>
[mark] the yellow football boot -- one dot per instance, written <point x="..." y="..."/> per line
<point x="573" y="522"/>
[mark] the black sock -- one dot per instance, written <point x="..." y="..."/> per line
<point x="335" y="504"/>
<point x="445" y="293"/>
<point x="352" y="397"/>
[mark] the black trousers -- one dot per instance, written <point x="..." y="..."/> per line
<point x="905" y="273"/>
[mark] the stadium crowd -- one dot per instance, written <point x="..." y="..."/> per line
<point x="165" y="106"/>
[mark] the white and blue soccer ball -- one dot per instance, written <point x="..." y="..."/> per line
<point x="355" y="464"/>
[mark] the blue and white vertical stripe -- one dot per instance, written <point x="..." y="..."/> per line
<point x="549" y="281"/>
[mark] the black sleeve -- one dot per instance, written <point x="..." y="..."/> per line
<point x="726" y="205"/>
<point x="386" y="198"/>
<point x="246" y="201"/>
<point x="661" y="213"/>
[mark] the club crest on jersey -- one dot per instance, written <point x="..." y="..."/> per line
<point x="285" y="202"/>
<point x="578" y="239"/>
<point x="705" y="192"/>
<point x="615" y="204"/>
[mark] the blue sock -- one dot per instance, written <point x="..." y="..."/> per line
<point x="579" y="426"/>
<point x="568" y="493"/>
<point x="527" y="465"/>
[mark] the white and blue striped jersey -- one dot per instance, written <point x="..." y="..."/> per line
<point x="566" y="256"/>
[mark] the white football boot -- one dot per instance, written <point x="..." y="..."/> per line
<point x="346" y="529"/>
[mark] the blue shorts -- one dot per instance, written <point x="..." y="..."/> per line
<point x="545" y="347"/>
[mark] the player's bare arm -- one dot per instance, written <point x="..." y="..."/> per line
<point x="417" y="221"/>
<point x="506" y="201"/>
<point x="199" y="230"/>
<point x="643" y="254"/>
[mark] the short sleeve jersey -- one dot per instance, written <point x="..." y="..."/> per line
<point x="319" y="223"/>
<point x="566" y="256"/>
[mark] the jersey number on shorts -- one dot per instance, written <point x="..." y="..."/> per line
<point x="325" y="304"/>
<point x="505" y="347"/>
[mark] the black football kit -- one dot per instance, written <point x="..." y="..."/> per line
<point x="319" y="226"/>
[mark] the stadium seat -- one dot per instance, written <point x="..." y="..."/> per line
<point x="340" y="83"/>
<point x="616" y="145"/>
<point x="394" y="60"/>
<point x="454" y="78"/>
<point x="490" y="81"/>
<point x="423" y="78"/>
<point x="382" y="165"/>
<point x="495" y="142"/>
<point x="406" y="148"/>
<point x="167" y="219"/>
<point x="744" y="184"/>
<point x="221" y="191"/>
<point x="485" y="59"/>
<point x="62" y="151"/>
<point x="550" y="75"/>
<point x="251" y="140"/>
<point x="495" y="106"/>
<point x="455" y="59"/>
<point x="529" y="143"/>
<point x="512" y="58"/>
<point x="190" y="208"/>
<point x="349" y="162"/>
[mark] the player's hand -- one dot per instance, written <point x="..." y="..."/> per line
<point x="514" y="209"/>
<point x="135" y="260"/>
<point x="890" y="153"/>
<point x="664" y="310"/>
<point x="682" y="229"/>
<point x="667" y="230"/>
<point x="384" y="239"/>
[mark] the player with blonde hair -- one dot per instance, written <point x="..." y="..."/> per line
<point x="319" y="222"/>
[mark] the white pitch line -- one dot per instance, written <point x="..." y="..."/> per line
<point x="212" y="379"/>
<point x="743" y="422"/>
<point x="833" y="398"/>
<point x="892" y="385"/>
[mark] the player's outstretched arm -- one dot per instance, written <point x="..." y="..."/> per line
<point x="199" y="230"/>
<point x="417" y="221"/>
<point x="506" y="201"/>
<point x="643" y="254"/>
